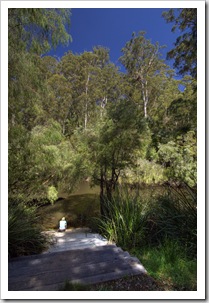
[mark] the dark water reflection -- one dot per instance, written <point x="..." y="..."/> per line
<point x="83" y="204"/>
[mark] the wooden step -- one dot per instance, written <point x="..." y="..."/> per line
<point x="87" y="265"/>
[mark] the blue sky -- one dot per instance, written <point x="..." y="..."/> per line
<point x="112" y="28"/>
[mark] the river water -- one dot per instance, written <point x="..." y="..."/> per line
<point x="82" y="205"/>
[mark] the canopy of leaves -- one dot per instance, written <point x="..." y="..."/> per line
<point x="81" y="117"/>
<point x="38" y="29"/>
<point x="185" y="51"/>
<point x="146" y="70"/>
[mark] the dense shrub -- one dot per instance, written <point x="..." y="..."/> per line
<point x="174" y="216"/>
<point x="24" y="233"/>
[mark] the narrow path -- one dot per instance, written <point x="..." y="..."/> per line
<point x="75" y="238"/>
<point x="78" y="256"/>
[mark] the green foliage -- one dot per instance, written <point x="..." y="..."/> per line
<point x="52" y="194"/>
<point x="24" y="233"/>
<point x="145" y="68"/>
<point x="80" y="117"/>
<point x="24" y="100"/>
<point x="131" y="221"/>
<point x="180" y="158"/>
<point x="118" y="136"/>
<point x="18" y="156"/>
<point x="48" y="134"/>
<point x="68" y="286"/>
<point x="79" y="165"/>
<point x="144" y="172"/>
<point x="181" y="114"/>
<point x="38" y="29"/>
<point x="141" y="55"/>
<point x="185" y="51"/>
<point x="161" y="233"/>
<point x="55" y="163"/>
<point x="174" y="216"/>
<point x="47" y="160"/>
<point x="124" y="219"/>
<point x="59" y="100"/>
<point x="31" y="33"/>
<point x="81" y="73"/>
<point x="170" y="264"/>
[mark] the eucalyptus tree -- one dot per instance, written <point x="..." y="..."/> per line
<point x="153" y="87"/>
<point x="31" y="33"/>
<point x="38" y="29"/>
<point x="110" y="85"/>
<point x="102" y="56"/>
<point x="142" y="60"/>
<point x="87" y="75"/>
<point x="78" y="71"/>
<point x="49" y="66"/>
<point x="163" y="93"/>
<point x="185" y="51"/>
<point x="59" y="100"/>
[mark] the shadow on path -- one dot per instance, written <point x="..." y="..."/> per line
<point x="77" y="256"/>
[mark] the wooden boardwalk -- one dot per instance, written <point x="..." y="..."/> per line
<point x="77" y="256"/>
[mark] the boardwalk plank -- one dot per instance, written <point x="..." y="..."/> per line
<point x="85" y="265"/>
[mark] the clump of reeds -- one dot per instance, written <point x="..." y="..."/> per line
<point x="24" y="233"/>
<point x="124" y="219"/>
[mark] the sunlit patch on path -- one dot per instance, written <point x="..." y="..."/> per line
<point x="78" y="256"/>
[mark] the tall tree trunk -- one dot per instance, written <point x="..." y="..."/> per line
<point x="109" y="189"/>
<point x="102" y="193"/>
<point x="86" y="104"/>
<point x="103" y="104"/>
<point x="145" y="96"/>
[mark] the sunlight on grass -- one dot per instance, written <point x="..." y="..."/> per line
<point x="168" y="262"/>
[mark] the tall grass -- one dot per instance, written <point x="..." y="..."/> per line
<point x="124" y="220"/>
<point x="174" y="216"/>
<point x="169" y="263"/>
<point x="161" y="232"/>
<point x="24" y="233"/>
<point x="129" y="220"/>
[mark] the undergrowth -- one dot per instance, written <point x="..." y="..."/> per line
<point x="24" y="234"/>
<point x="161" y="232"/>
<point x="69" y="286"/>
<point x="170" y="264"/>
<point x="124" y="221"/>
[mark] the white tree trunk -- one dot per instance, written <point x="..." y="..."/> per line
<point x="145" y="96"/>
<point x="103" y="104"/>
<point x="86" y="104"/>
